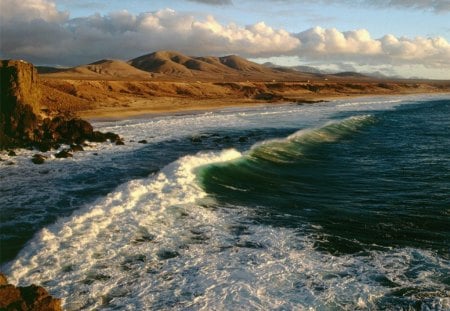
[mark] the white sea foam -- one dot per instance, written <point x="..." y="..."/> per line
<point x="152" y="243"/>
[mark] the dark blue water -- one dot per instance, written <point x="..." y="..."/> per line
<point x="346" y="211"/>
<point x="369" y="182"/>
<point x="38" y="195"/>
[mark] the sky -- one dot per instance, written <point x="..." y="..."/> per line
<point x="409" y="38"/>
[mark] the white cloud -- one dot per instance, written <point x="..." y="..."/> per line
<point x="35" y="30"/>
<point x="36" y="26"/>
<point x="358" y="46"/>
<point x="29" y="10"/>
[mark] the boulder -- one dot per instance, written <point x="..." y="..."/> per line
<point x="63" y="154"/>
<point x="38" y="159"/>
<point x="27" y="298"/>
<point x="76" y="148"/>
<point x="66" y="130"/>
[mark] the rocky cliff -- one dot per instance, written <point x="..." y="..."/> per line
<point x="19" y="101"/>
<point x="23" y="123"/>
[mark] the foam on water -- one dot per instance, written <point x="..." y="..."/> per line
<point x="137" y="223"/>
<point x="161" y="243"/>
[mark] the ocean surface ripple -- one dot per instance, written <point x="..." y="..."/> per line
<point x="334" y="206"/>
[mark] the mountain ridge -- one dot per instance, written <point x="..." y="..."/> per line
<point x="166" y="64"/>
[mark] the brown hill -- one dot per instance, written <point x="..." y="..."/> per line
<point x="232" y="67"/>
<point x="105" y="69"/>
<point x="175" y="66"/>
<point x="241" y="64"/>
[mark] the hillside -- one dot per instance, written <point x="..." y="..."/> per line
<point x="166" y="81"/>
<point x="175" y="66"/>
<point x="105" y="69"/>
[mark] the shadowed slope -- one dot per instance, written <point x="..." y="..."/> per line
<point x="104" y="69"/>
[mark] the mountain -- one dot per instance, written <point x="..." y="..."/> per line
<point x="104" y="69"/>
<point x="173" y="63"/>
<point x="349" y="74"/>
<point x="303" y="69"/>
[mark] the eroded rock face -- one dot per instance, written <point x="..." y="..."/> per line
<point x="26" y="298"/>
<point x="20" y="110"/>
<point x="20" y="98"/>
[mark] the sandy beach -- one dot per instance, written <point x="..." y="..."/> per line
<point x="95" y="99"/>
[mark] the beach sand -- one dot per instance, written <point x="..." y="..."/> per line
<point x="118" y="99"/>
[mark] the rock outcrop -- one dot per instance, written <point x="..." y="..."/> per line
<point x="21" y="119"/>
<point x="26" y="298"/>
<point x="19" y="101"/>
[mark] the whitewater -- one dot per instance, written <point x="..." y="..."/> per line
<point x="267" y="208"/>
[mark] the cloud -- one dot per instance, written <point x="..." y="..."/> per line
<point x="28" y="10"/>
<point x="42" y="34"/>
<point x="358" y="46"/>
<point x="36" y="31"/>
<point x="433" y="5"/>
<point x="213" y="2"/>
<point x="436" y="6"/>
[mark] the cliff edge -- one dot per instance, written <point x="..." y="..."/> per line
<point x="19" y="102"/>
<point x="23" y="122"/>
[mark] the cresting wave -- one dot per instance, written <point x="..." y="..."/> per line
<point x="296" y="145"/>
<point x="139" y="222"/>
<point x="167" y="243"/>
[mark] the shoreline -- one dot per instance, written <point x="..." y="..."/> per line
<point x="110" y="114"/>
<point x="117" y="99"/>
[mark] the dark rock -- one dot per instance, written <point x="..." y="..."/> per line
<point x="20" y="123"/>
<point x="10" y="297"/>
<point x="27" y="298"/>
<point x="102" y="137"/>
<point x="20" y="102"/>
<point x="119" y="142"/>
<point x="11" y="153"/>
<point x="165" y="254"/>
<point x="38" y="159"/>
<point x="196" y="139"/>
<point x="143" y="141"/>
<point x="76" y="148"/>
<point x="68" y="131"/>
<point x="63" y="154"/>
<point x="45" y="146"/>
<point x="268" y="96"/>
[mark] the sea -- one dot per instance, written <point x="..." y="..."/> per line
<point x="341" y="205"/>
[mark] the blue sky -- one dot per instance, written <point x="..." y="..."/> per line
<point x="293" y="16"/>
<point x="404" y="37"/>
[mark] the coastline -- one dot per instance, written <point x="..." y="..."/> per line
<point x="119" y="99"/>
<point x="155" y="107"/>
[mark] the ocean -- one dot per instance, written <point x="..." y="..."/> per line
<point x="343" y="205"/>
